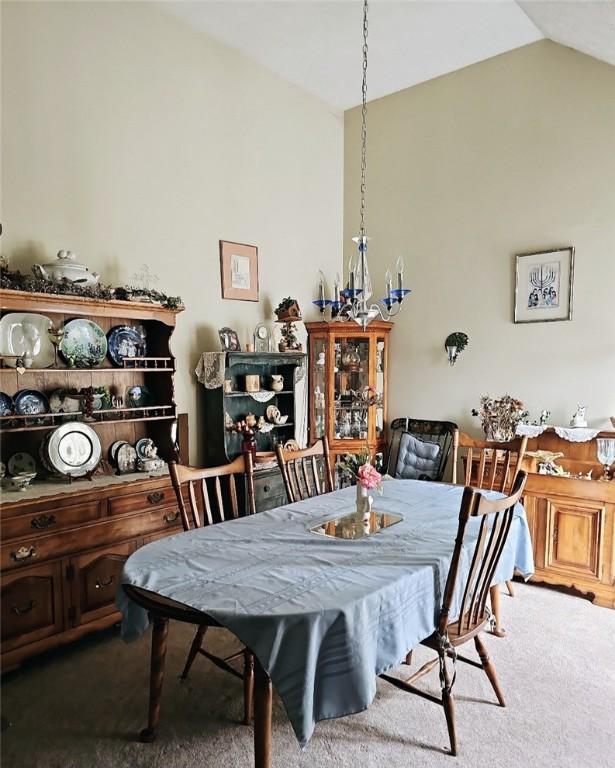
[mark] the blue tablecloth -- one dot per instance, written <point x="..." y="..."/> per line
<point x="323" y="615"/>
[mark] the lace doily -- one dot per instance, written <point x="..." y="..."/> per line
<point x="210" y="369"/>
<point x="576" y="434"/>
<point x="530" y="430"/>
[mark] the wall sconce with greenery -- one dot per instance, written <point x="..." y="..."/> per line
<point x="455" y="343"/>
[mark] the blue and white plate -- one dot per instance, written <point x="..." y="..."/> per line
<point x="30" y="402"/>
<point x="126" y="342"/>
<point x="6" y="404"/>
<point x="84" y="344"/>
<point x="138" y="397"/>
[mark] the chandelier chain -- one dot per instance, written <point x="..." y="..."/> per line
<point x="364" y="121"/>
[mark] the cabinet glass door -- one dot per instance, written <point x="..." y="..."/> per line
<point x="380" y="393"/>
<point x="319" y="387"/>
<point x="351" y="393"/>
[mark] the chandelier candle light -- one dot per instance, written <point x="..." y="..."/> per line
<point x="352" y="303"/>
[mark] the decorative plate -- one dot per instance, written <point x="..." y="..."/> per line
<point x="273" y="413"/>
<point x="20" y="463"/>
<point x="138" y="396"/>
<point x="125" y="341"/>
<point x="6" y="404"/>
<point x="126" y="458"/>
<point x="146" y="449"/>
<point x="74" y="449"/>
<point x="114" y="449"/>
<point x="25" y="334"/>
<point x="84" y="344"/>
<point x="30" y="402"/>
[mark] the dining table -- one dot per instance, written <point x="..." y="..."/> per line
<point x="323" y="615"/>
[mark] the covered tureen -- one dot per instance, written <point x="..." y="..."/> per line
<point x="66" y="268"/>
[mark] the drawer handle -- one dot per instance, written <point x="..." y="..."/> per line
<point x="171" y="518"/>
<point x="156" y="497"/>
<point x="23" y="611"/>
<point x="101" y="583"/>
<point x="23" y="553"/>
<point x="43" y="521"/>
<point x="266" y="488"/>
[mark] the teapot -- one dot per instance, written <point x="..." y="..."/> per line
<point x="66" y="268"/>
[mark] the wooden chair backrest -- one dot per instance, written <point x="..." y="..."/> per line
<point x="495" y="520"/>
<point x="303" y="478"/>
<point x="440" y="432"/>
<point x="497" y="465"/>
<point x="212" y="492"/>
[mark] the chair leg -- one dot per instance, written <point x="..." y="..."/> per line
<point x="489" y="669"/>
<point x="159" y="652"/>
<point x="262" y="717"/>
<point x="194" y="649"/>
<point x="509" y="587"/>
<point x="248" y="686"/>
<point x="408" y="660"/>
<point x="448" y="702"/>
<point x="494" y="595"/>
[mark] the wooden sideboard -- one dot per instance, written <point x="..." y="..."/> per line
<point x="62" y="556"/>
<point x="572" y="522"/>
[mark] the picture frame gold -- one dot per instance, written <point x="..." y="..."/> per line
<point x="239" y="271"/>
<point x="544" y="283"/>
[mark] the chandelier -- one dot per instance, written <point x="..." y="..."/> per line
<point x="352" y="302"/>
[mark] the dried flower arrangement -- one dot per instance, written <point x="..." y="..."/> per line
<point x="499" y="416"/>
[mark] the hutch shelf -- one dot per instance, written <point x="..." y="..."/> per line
<point x="64" y="544"/>
<point x="348" y="370"/>
<point x="222" y="445"/>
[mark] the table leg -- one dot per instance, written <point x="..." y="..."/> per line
<point x="159" y="652"/>
<point x="262" y="716"/>
<point x="494" y="593"/>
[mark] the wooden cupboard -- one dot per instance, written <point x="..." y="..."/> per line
<point x="348" y="377"/>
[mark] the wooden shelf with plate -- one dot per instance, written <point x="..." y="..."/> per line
<point x="572" y="521"/>
<point x="348" y="371"/>
<point x="63" y="545"/>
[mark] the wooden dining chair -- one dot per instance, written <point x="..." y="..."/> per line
<point x="306" y="473"/>
<point x="205" y="497"/>
<point x="484" y="469"/>
<point x="468" y="590"/>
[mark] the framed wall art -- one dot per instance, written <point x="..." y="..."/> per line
<point x="229" y="340"/>
<point x="543" y="285"/>
<point x="239" y="271"/>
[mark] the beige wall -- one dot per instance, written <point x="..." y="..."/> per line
<point x="132" y="139"/>
<point x="514" y="154"/>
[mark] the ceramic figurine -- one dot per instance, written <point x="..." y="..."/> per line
<point x="578" y="417"/>
<point x="277" y="382"/>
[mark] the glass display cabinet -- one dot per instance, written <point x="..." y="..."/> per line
<point x="348" y="371"/>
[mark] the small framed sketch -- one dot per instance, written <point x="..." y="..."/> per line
<point x="239" y="271"/>
<point x="229" y="340"/>
<point x="543" y="286"/>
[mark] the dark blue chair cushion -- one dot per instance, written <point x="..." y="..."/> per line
<point x="417" y="459"/>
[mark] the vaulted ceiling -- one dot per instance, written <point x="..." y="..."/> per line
<point x="317" y="45"/>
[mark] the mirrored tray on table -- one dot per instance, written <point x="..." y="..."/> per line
<point x="353" y="525"/>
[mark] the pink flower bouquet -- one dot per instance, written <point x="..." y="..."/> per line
<point x="369" y="477"/>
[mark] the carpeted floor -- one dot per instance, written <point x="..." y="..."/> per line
<point x="82" y="706"/>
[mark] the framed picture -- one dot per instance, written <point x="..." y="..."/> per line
<point x="543" y="285"/>
<point x="239" y="271"/>
<point x="229" y="340"/>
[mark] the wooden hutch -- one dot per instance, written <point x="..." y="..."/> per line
<point x="572" y="522"/>
<point x="64" y="544"/>
<point x="348" y="371"/>
<point x="222" y="445"/>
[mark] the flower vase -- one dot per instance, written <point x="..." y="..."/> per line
<point x="364" y="500"/>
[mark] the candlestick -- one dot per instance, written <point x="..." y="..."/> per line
<point x="336" y="287"/>
<point x="389" y="283"/>
<point x="400" y="274"/>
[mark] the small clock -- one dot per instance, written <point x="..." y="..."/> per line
<point x="262" y="338"/>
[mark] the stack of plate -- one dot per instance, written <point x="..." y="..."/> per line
<point x="72" y="450"/>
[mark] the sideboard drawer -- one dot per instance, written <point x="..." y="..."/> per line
<point x="269" y="491"/>
<point x="32" y="550"/>
<point x="54" y="518"/>
<point x="140" y="502"/>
